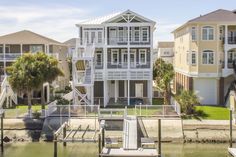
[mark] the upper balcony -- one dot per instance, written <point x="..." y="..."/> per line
<point x="124" y="41"/>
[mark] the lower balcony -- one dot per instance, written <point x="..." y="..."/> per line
<point x="9" y="56"/>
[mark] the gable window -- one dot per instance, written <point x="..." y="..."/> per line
<point x="194" y="34"/>
<point x="193" y="58"/>
<point x="142" y="56"/>
<point x="114" y="57"/>
<point x="207" y="33"/>
<point x="208" y="57"/>
<point x="144" y="34"/>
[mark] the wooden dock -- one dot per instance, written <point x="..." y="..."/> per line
<point x="120" y="152"/>
<point x="232" y="151"/>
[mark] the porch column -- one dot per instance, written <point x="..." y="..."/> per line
<point x="128" y="92"/>
<point x="150" y="92"/>
<point x="92" y="95"/>
<point x="125" y="88"/>
<point x="21" y="49"/>
<point x="45" y="48"/>
<point x="105" y="93"/>
<point x="226" y="47"/>
<point x="116" y="90"/>
<point x="4" y="55"/>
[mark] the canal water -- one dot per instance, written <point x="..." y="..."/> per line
<point x="43" y="149"/>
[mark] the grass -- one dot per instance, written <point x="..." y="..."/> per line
<point x="20" y="110"/>
<point x="212" y="112"/>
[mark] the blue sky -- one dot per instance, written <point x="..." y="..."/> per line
<point x="57" y="18"/>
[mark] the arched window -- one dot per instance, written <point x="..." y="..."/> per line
<point x="207" y="33"/>
<point x="207" y="57"/>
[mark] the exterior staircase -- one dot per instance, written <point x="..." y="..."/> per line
<point x="7" y="94"/>
<point x="83" y="74"/>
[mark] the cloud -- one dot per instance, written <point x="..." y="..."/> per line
<point x="55" y="22"/>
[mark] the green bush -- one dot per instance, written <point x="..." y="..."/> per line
<point x="36" y="114"/>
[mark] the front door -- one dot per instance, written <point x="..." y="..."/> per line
<point x="139" y="90"/>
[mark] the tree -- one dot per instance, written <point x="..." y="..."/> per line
<point x="48" y="67"/>
<point x="31" y="71"/>
<point x="163" y="74"/>
<point x="24" y="76"/>
<point x="187" y="101"/>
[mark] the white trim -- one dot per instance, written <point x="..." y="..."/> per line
<point x="196" y="74"/>
<point x="208" y="33"/>
<point x="142" y="34"/>
<point x="145" y="53"/>
<point x="114" y="51"/>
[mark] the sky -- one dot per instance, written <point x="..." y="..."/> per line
<point x="56" y="19"/>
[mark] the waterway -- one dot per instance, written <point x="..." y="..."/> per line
<point x="43" y="149"/>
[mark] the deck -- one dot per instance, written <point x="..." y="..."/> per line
<point x="120" y="152"/>
<point x="232" y="151"/>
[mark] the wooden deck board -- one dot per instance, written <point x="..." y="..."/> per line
<point x="120" y="152"/>
<point x="232" y="151"/>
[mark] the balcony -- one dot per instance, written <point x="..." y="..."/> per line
<point x="124" y="65"/>
<point x="124" y="41"/>
<point x="9" y="56"/>
<point x="231" y="40"/>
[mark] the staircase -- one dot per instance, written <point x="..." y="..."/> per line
<point x="7" y="94"/>
<point x="83" y="74"/>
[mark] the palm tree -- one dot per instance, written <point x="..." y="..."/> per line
<point x="163" y="74"/>
<point x="187" y="101"/>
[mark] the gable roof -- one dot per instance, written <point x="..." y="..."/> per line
<point x="71" y="42"/>
<point x="110" y="17"/>
<point x="166" y="44"/>
<point x="219" y="15"/>
<point x="26" y="37"/>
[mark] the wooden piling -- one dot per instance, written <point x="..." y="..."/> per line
<point x="99" y="145"/>
<point x="159" y="137"/>
<point x="103" y="137"/>
<point x="2" y="149"/>
<point x="55" y="146"/>
<point x="64" y="135"/>
<point x="231" y="130"/>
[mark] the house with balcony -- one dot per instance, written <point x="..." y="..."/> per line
<point x="113" y="60"/>
<point x="205" y="49"/>
<point x="16" y="44"/>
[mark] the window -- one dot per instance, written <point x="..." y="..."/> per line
<point x="98" y="58"/>
<point x="145" y="34"/>
<point x="93" y="37"/>
<point x="142" y="56"/>
<point x="166" y="52"/>
<point x="208" y="57"/>
<point x="36" y="48"/>
<point x="124" y="58"/>
<point x="194" y="34"/>
<point x="99" y="37"/>
<point x="207" y="33"/>
<point x="121" y="34"/>
<point x="132" y="58"/>
<point x="86" y="37"/>
<point x="114" y="57"/>
<point x="136" y="34"/>
<point x="193" y="58"/>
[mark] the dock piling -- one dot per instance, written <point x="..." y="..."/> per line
<point x="99" y="145"/>
<point x="55" y="146"/>
<point x="2" y="149"/>
<point x="159" y="137"/>
<point x="64" y="135"/>
<point x="231" y="130"/>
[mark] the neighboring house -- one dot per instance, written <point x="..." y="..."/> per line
<point x="166" y="51"/>
<point x="71" y="46"/>
<point x="121" y="46"/>
<point x="205" y="48"/>
<point x="16" y="44"/>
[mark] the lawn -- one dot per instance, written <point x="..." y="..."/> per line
<point x="213" y="112"/>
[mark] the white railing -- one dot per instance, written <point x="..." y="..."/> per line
<point x="176" y="105"/>
<point x="143" y="75"/>
<point x="117" y="75"/>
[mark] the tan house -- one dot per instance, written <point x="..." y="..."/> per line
<point x="16" y="44"/>
<point x="166" y="51"/>
<point x="205" y="48"/>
